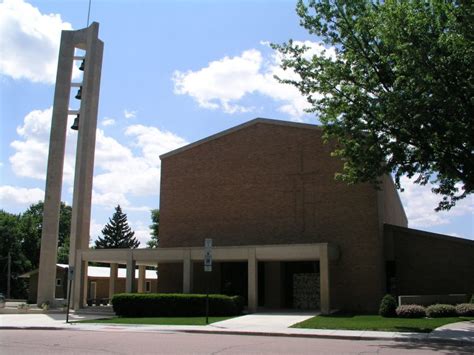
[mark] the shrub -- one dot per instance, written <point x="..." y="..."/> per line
<point x="175" y="305"/>
<point x="441" y="310"/>
<point x="411" y="311"/>
<point x="388" y="306"/>
<point x="472" y="299"/>
<point x="465" y="310"/>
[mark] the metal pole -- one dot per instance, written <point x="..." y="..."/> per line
<point x="68" y="300"/>
<point x="9" y="276"/>
<point x="207" y="301"/>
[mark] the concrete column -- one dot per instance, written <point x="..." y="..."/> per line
<point x="324" y="279"/>
<point x="54" y="176"/>
<point x="130" y="281"/>
<point x="141" y="278"/>
<point x="252" y="280"/>
<point x="187" y="272"/>
<point x="112" y="279"/>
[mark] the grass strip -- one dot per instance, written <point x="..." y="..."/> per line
<point x="376" y="322"/>
<point x="157" y="320"/>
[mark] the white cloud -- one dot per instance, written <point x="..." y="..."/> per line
<point x="19" y="196"/>
<point x="119" y="172"/>
<point x="154" y="141"/>
<point x="129" y="114"/>
<point x="419" y="203"/>
<point x="29" y="41"/>
<point x="225" y="82"/>
<point x="107" y="121"/>
<point x="31" y="156"/>
<point x="124" y="173"/>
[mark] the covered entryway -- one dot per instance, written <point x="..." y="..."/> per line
<point x="242" y="263"/>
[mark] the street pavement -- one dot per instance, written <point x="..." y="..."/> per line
<point x="84" y="342"/>
<point x="267" y="324"/>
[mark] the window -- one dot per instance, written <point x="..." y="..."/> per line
<point x="147" y="286"/>
<point x="59" y="282"/>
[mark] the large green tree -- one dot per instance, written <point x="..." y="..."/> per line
<point x="31" y="224"/>
<point x="117" y="233"/>
<point x="398" y="95"/>
<point x="11" y="238"/>
<point x="155" y="229"/>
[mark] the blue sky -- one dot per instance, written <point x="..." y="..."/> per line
<point x="173" y="72"/>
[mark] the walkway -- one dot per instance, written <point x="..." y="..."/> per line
<point x="275" y="324"/>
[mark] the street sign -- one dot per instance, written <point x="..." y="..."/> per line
<point x="207" y="255"/>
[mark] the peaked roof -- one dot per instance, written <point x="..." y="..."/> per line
<point x="238" y="128"/>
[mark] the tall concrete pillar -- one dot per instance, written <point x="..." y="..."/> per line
<point x="85" y="151"/>
<point x="112" y="279"/>
<point x="130" y="280"/>
<point x="324" y="279"/>
<point x="141" y="278"/>
<point x="54" y="175"/>
<point x="187" y="272"/>
<point x="252" y="266"/>
<point x="87" y="40"/>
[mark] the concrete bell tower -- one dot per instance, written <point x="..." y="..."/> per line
<point x="85" y="39"/>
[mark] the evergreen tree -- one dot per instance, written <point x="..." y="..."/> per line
<point x="117" y="233"/>
<point x="155" y="229"/>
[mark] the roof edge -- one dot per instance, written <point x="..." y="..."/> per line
<point x="237" y="128"/>
<point x="445" y="237"/>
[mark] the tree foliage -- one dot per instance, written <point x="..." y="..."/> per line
<point x="32" y="227"/>
<point x="11" y="238"/>
<point x="398" y="94"/>
<point x="155" y="229"/>
<point x="117" y="233"/>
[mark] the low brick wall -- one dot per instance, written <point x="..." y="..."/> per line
<point x="427" y="300"/>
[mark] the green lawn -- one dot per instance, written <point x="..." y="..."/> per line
<point x="158" y="320"/>
<point x="375" y="322"/>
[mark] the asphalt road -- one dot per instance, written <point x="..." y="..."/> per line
<point x="121" y="342"/>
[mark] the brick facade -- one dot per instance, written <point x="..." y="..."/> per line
<point x="270" y="182"/>
<point x="428" y="263"/>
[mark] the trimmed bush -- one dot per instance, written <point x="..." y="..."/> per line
<point x="175" y="305"/>
<point x="465" y="310"/>
<point x="411" y="311"/>
<point x="388" y="306"/>
<point x="441" y="310"/>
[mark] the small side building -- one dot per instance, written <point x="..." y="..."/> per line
<point x="98" y="283"/>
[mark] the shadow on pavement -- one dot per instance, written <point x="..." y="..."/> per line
<point x="427" y="345"/>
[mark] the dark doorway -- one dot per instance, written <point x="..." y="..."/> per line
<point x="234" y="279"/>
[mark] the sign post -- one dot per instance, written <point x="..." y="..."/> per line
<point x="70" y="277"/>
<point x="207" y="268"/>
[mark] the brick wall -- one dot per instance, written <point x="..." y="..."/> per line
<point x="430" y="264"/>
<point x="274" y="184"/>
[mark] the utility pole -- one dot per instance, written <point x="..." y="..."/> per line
<point x="9" y="272"/>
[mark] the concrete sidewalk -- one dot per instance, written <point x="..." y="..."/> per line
<point x="267" y="324"/>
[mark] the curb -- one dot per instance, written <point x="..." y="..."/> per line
<point x="340" y="337"/>
<point x="417" y="339"/>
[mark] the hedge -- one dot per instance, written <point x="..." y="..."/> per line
<point x="465" y="310"/>
<point x="441" y="310"/>
<point x="175" y="305"/>
<point x="411" y="311"/>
